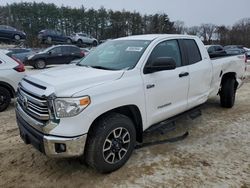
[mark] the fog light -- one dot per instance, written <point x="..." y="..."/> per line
<point x="60" y="147"/>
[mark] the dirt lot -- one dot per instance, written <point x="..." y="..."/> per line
<point x="215" y="154"/>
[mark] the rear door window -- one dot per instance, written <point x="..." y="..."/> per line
<point x="65" y="49"/>
<point x="74" y="50"/>
<point x="193" y="52"/>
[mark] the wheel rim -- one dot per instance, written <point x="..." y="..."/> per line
<point x="69" y="41"/>
<point x="49" y="39"/>
<point x="40" y="64"/>
<point x="17" y="37"/>
<point x="116" y="145"/>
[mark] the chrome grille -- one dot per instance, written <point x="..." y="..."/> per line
<point x="35" y="106"/>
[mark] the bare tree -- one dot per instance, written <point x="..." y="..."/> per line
<point x="223" y="34"/>
<point x="207" y="31"/>
<point x="179" y="27"/>
<point x="195" y="30"/>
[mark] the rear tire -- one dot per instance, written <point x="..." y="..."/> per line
<point x="5" y="99"/>
<point x="227" y="93"/>
<point x="110" y="143"/>
<point x="40" y="64"/>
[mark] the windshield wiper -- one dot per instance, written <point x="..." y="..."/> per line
<point x="103" y="68"/>
<point x="78" y="64"/>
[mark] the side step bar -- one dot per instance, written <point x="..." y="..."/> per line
<point x="170" y="123"/>
<point x="168" y="126"/>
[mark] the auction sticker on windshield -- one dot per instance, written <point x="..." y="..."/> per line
<point x="134" y="49"/>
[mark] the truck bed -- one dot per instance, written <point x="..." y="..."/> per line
<point x="226" y="64"/>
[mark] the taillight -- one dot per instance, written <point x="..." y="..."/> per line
<point x="82" y="53"/>
<point x="20" y="67"/>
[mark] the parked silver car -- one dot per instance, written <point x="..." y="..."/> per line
<point x="83" y="38"/>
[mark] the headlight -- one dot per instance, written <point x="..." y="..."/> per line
<point x="69" y="107"/>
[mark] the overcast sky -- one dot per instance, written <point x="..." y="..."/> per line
<point x="192" y="12"/>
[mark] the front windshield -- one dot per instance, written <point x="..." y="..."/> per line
<point x="116" y="54"/>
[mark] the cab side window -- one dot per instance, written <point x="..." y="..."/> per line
<point x="168" y="48"/>
<point x="193" y="52"/>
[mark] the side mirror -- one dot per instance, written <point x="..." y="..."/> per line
<point x="160" y="64"/>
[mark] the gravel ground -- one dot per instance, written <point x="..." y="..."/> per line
<point x="215" y="154"/>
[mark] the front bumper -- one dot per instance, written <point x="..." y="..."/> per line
<point x="28" y="62"/>
<point x="52" y="146"/>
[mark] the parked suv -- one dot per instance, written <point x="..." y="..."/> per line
<point x="50" y="36"/>
<point x="11" y="73"/>
<point x="11" y="33"/>
<point x="83" y="38"/>
<point x="59" y="54"/>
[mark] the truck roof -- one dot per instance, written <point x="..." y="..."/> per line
<point x="155" y="36"/>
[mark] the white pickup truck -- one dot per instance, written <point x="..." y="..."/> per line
<point x="99" y="108"/>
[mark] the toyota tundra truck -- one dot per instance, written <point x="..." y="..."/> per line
<point x="99" y="108"/>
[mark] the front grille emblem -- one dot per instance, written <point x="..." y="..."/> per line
<point x="24" y="101"/>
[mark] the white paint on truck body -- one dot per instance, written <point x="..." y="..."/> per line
<point x="112" y="89"/>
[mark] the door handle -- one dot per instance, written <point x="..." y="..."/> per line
<point x="183" y="74"/>
<point x="149" y="86"/>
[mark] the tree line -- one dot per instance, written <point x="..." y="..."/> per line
<point x="238" y="34"/>
<point x="104" y="24"/>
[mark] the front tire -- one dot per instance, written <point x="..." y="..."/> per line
<point x="227" y="93"/>
<point x="68" y="41"/>
<point x="49" y="40"/>
<point x="5" y="99"/>
<point x="17" y="37"/>
<point x="40" y="64"/>
<point x="110" y="143"/>
<point x="80" y="42"/>
<point x="94" y="43"/>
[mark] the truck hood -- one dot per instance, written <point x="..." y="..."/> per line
<point x="67" y="80"/>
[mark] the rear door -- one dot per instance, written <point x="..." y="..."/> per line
<point x="75" y="53"/>
<point x="166" y="91"/>
<point x="200" y="73"/>
<point x="67" y="54"/>
<point x="55" y="56"/>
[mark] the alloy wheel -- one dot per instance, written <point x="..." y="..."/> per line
<point x="116" y="145"/>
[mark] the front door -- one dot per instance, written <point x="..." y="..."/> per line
<point x="166" y="92"/>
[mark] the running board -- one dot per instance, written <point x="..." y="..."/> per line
<point x="169" y="140"/>
<point x="169" y="124"/>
